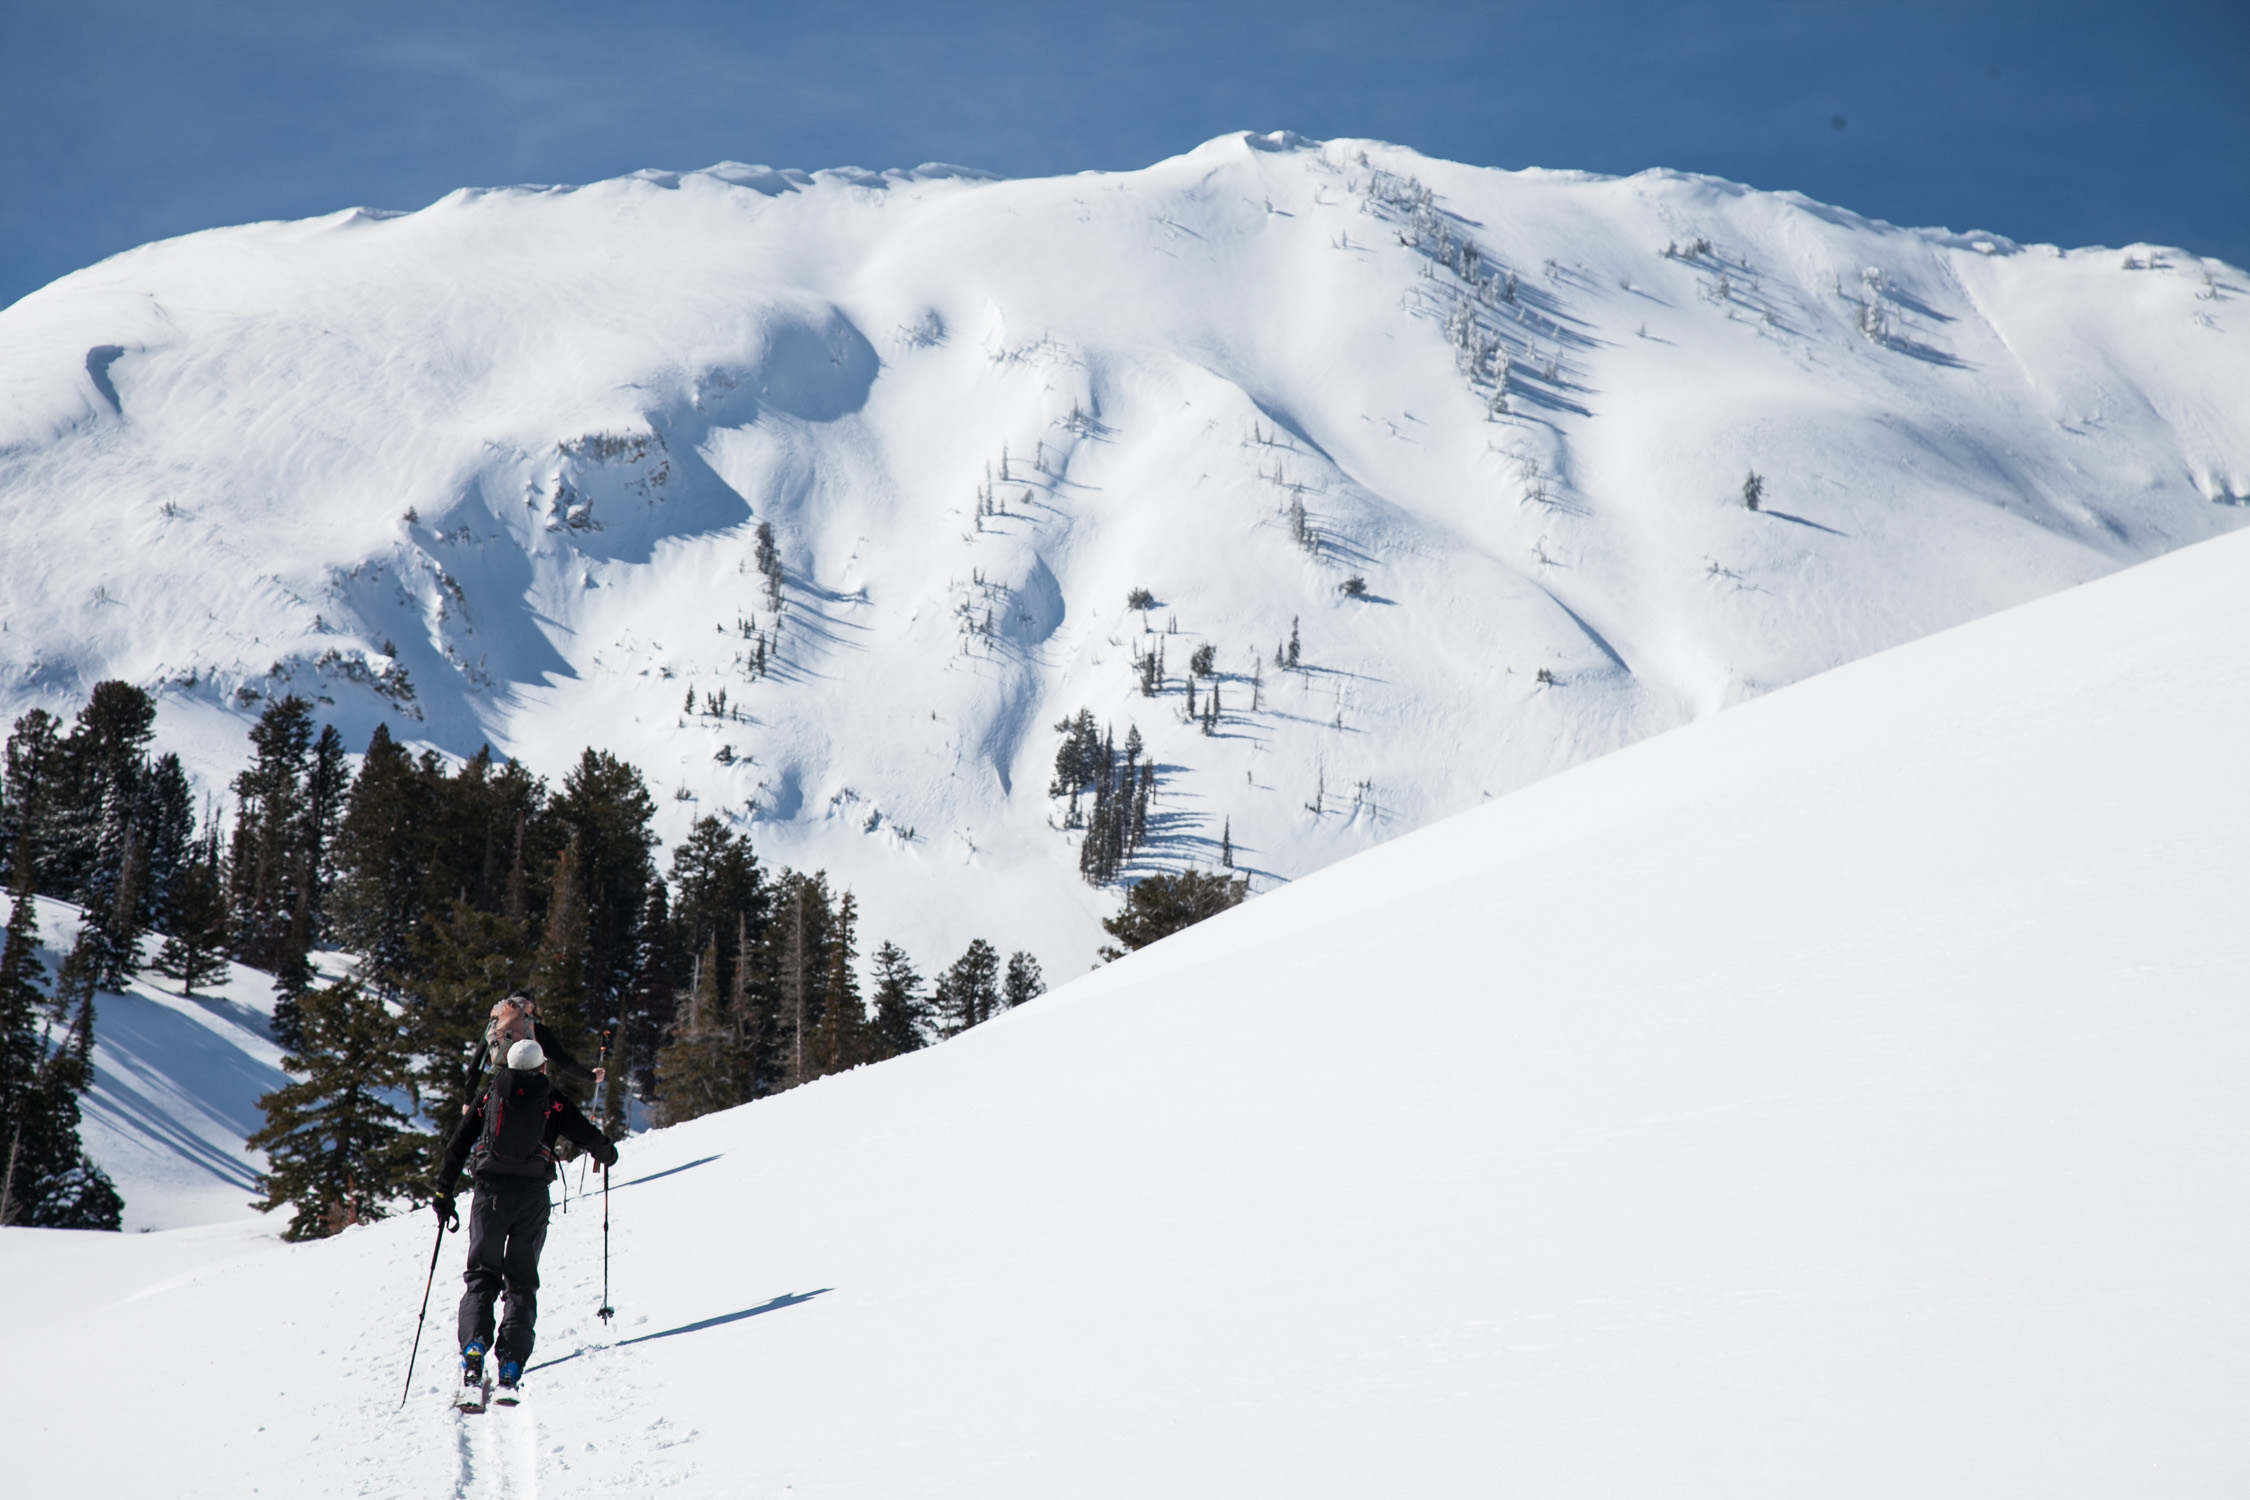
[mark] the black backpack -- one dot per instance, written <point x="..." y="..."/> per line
<point x="513" y="1142"/>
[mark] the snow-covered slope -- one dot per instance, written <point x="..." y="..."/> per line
<point x="493" y="469"/>
<point x="177" y="1080"/>
<point x="1838" y="1096"/>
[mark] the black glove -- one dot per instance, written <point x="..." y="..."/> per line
<point x="443" y="1205"/>
<point x="607" y="1155"/>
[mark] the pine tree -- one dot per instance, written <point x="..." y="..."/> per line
<point x="36" y="788"/>
<point x="490" y="836"/>
<point x="801" y="935"/>
<point x="327" y="782"/>
<point x="901" y="1014"/>
<point x="99" y="809"/>
<point x="558" y="969"/>
<point x="169" y="840"/>
<point x="606" y="806"/>
<point x="271" y="877"/>
<point x="54" y="1185"/>
<point x="1294" y="654"/>
<point x="111" y="902"/>
<point x="698" y="1071"/>
<point x="754" y="1004"/>
<point x="1024" y="983"/>
<point x="716" y="880"/>
<point x="1160" y="905"/>
<point x="968" y="993"/>
<point x="842" y="1039"/>
<point x="1226" y="845"/>
<point x="21" y="999"/>
<point x="769" y="564"/>
<point x="468" y="960"/>
<point x="383" y="852"/>
<point x="649" y="1003"/>
<point x="195" y="951"/>
<point x="339" y="1153"/>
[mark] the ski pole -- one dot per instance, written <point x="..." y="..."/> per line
<point x="606" y="1312"/>
<point x="424" y="1315"/>
<point x="601" y="1065"/>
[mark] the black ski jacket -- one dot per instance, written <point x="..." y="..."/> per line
<point x="519" y="1147"/>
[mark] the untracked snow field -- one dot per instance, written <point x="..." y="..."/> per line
<point x="1843" y="1095"/>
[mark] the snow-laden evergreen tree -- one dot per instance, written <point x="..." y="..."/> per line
<point x="338" y="1152"/>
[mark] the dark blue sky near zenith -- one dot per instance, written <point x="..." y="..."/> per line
<point x="123" y="121"/>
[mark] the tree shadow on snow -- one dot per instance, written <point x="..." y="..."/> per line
<point x="1782" y="515"/>
<point x="786" y="1299"/>
<point x="668" y="1171"/>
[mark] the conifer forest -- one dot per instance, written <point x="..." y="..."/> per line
<point x="433" y="889"/>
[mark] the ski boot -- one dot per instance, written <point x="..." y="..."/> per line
<point x="511" y="1383"/>
<point x="471" y="1397"/>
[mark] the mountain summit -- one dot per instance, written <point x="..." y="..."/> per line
<point x="1360" y="486"/>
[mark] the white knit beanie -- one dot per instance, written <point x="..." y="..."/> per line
<point x="526" y="1056"/>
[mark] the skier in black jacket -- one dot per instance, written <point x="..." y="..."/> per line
<point x="507" y="1142"/>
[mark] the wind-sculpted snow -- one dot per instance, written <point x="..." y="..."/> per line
<point x="493" y="470"/>
<point x="1839" y="1096"/>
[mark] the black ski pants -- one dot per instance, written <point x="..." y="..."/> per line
<point x="507" y="1227"/>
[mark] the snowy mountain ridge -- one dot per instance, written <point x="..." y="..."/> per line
<point x="495" y="470"/>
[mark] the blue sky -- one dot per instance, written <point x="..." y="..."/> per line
<point x="123" y="121"/>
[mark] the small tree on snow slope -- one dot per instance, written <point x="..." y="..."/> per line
<point x="339" y="1151"/>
